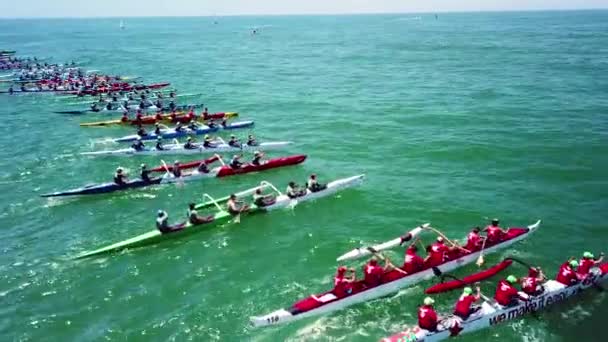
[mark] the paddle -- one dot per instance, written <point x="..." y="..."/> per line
<point x="381" y="257"/>
<point x="480" y="260"/>
<point x="448" y="240"/>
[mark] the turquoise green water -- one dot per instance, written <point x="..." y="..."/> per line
<point x="453" y="120"/>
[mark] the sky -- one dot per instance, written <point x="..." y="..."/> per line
<point x="135" y="8"/>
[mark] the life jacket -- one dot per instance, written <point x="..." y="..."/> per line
<point x="427" y="318"/>
<point x="566" y="275"/>
<point x="413" y="262"/>
<point x="585" y="266"/>
<point x="505" y="293"/>
<point x="463" y="305"/>
<point x="473" y="241"/>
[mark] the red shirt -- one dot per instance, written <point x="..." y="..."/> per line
<point x="505" y="292"/>
<point x="373" y="275"/>
<point x="413" y="262"/>
<point x="463" y="305"/>
<point x="341" y="286"/>
<point x="584" y="266"/>
<point x="495" y="234"/>
<point x="427" y="318"/>
<point x="437" y="254"/>
<point x="473" y="242"/>
<point x="529" y="285"/>
<point x="158" y="116"/>
<point x="124" y="119"/>
<point x="566" y="275"/>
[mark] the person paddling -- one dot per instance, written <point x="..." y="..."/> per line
<point x="176" y="169"/>
<point x="587" y="262"/>
<point x="314" y="185"/>
<point x="125" y="117"/>
<point x="262" y="200"/>
<point x="251" y="140"/>
<point x="138" y="145"/>
<point x="257" y="158"/>
<point x="464" y="306"/>
<point x="235" y="207"/>
<point x="438" y="252"/>
<point x="412" y="262"/>
<point x="208" y="142"/>
<point x="159" y="144"/>
<point x="235" y="162"/>
<point x="343" y="282"/>
<point x="189" y="145"/>
<point x="372" y="272"/>
<point x="474" y="240"/>
<point x="495" y="234"/>
<point x="194" y="218"/>
<point x="162" y="223"/>
<point x="202" y="167"/>
<point x="141" y="131"/>
<point x="427" y="316"/>
<point x="567" y="273"/>
<point x="506" y="294"/>
<point x="144" y="173"/>
<point x="119" y="177"/>
<point x="293" y="191"/>
<point x="531" y="284"/>
<point x="234" y="142"/>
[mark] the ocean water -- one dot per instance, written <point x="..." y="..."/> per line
<point x="453" y="120"/>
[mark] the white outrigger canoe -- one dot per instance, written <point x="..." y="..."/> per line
<point x="492" y="313"/>
<point x="393" y="281"/>
<point x="178" y="149"/>
<point x="281" y="201"/>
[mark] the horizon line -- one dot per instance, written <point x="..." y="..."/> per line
<point x="318" y="14"/>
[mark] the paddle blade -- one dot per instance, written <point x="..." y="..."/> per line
<point x="437" y="272"/>
<point x="480" y="261"/>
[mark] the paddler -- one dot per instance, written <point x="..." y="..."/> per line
<point x="179" y="127"/>
<point x="314" y="185"/>
<point x="162" y="223"/>
<point x="194" y="218"/>
<point x="438" y="252"/>
<point x="145" y="173"/>
<point x="343" y="283"/>
<point x="11" y="91"/>
<point x="495" y="234"/>
<point x="412" y="262"/>
<point x="506" y="294"/>
<point x="464" y="306"/>
<point x="531" y="284"/>
<point x="94" y="108"/>
<point x="205" y="114"/>
<point x="235" y="207"/>
<point x="474" y="240"/>
<point x="176" y="170"/>
<point x="138" y="145"/>
<point x="202" y="167"/>
<point x="119" y="176"/>
<point x="587" y="262"/>
<point x="159" y="143"/>
<point x="193" y="125"/>
<point x="251" y="140"/>
<point x="125" y="117"/>
<point x="157" y="130"/>
<point x="235" y="162"/>
<point x="262" y="200"/>
<point x="189" y="145"/>
<point x="234" y="142"/>
<point x="257" y="158"/>
<point x="372" y="272"/>
<point x="172" y="106"/>
<point x="293" y="191"/>
<point x="158" y="116"/>
<point x="427" y="316"/>
<point x="208" y="142"/>
<point x="141" y="131"/>
<point x="567" y="273"/>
